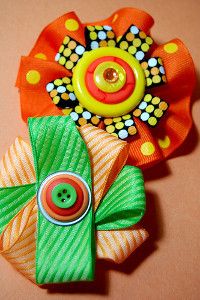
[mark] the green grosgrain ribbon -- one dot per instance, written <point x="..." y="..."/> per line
<point x="67" y="253"/>
<point x="62" y="253"/>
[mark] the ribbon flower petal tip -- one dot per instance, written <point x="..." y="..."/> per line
<point x="111" y="74"/>
<point x="67" y="200"/>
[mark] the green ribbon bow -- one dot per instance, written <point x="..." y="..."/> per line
<point x="67" y="253"/>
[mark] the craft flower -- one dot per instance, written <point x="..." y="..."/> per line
<point x="109" y="79"/>
<point x="53" y="211"/>
<point x="111" y="74"/>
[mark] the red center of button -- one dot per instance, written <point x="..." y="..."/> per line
<point x="110" y="98"/>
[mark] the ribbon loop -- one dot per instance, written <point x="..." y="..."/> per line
<point x="107" y="155"/>
<point x="124" y="204"/>
<point x="12" y="199"/>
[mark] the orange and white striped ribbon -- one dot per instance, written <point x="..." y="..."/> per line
<point x="107" y="155"/>
<point x="117" y="245"/>
<point x="18" y="240"/>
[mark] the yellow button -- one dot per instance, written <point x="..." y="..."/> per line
<point x="110" y="77"/>
<point x="103" y="109"/>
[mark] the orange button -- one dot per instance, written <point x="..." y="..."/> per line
<point x="64" y="214"/>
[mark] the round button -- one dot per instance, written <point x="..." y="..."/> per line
<point x="89" y="101"/>
<point x="64" y="214"/>
<point x="108" y="76"/>
<point x="64" y="198"/>
<point x="64" y="195"/>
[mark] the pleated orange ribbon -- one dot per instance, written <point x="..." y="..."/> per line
<point x="40" y="236"/>
<point x="157" y="79"/>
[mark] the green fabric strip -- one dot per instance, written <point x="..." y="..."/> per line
<point x="58" y="146"/>
<point x="63" y="253"/>
<point x="12" y="199"/>
<point x="124" y="204"/>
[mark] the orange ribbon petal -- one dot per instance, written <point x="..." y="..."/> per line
<point x="16" y="166"/>
<point x="34" y="74"/>
<point x="107" y="156"/>
<point x="117" y="245"/>
<point x="153" y="145"/>
<point x="52" y="36"/>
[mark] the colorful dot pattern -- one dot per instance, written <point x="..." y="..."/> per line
<point x="81" y="116"/>
<point x="62" y="93"/>
<point x="136" y="42"/>
<point x="69" y="53"/>
<point x="99" y="36"/>
<point x="151" y="109"/>
<point x="154" y="71"/>
<point x="121" y="127"/>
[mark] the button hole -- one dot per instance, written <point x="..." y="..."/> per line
<point x="59" y="194"/>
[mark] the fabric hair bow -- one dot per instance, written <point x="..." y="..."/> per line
<point x="113" y="75"/>
<point x="68" y="201"/>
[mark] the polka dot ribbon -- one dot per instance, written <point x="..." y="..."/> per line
<point x="135" y="42"/>
<point x="49" y="184"/>
<point x="155" y="119"/>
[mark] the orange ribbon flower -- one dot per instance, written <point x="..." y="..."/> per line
<point x="149" y="145"/>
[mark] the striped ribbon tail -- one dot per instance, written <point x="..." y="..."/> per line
<point x="18" y="211"/>
<point x="117" y="245"/>
<point x="123" y="204"/>
<point x="107" y="155"/>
